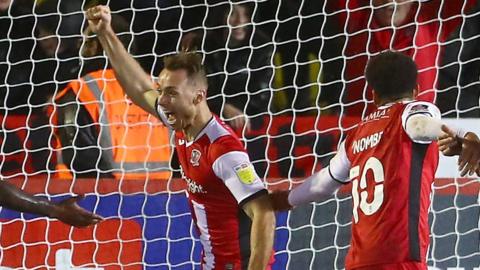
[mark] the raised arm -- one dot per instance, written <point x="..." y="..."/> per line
<point x="66" y="211"/>
<point x="135" y="81"/>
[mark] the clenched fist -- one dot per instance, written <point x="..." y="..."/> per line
<point x="99" y="18"/>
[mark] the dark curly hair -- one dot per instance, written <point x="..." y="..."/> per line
<point x="392" y="75"/>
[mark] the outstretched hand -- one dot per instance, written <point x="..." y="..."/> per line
<point x="69" y="212"/>
<point x="99" y="19"/>
<point x="449" y="143"/>
<point x="467" y="148"/>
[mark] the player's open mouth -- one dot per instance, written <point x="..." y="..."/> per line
<point x="171" y="119"/>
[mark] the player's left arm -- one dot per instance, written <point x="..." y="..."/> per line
<point x="240" y="177"/>
<point x="262" y="233"/>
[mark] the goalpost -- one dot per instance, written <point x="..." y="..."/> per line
<point x="293" y="69"/>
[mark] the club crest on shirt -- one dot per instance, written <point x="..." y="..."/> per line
<point x="245" y="173"/>
<point x="195" y="157"/>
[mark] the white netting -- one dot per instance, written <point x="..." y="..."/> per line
<point x="294" y="69"/>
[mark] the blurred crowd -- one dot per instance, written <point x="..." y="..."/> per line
<point x="272" y="56"/>
<point x="263" y="58"/>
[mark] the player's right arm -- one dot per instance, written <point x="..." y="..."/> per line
<point x="317" y="187"/>
<point x="421" y="121"/>
<point x="136" y="83"/>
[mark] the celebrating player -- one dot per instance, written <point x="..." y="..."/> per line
<point x="66" y="211"/>
<point x="390" y="158"/>
<point x="221" y="182"/>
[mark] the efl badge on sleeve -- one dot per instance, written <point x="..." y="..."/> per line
<point x="195" y="157"/>
<point x="245" y="173"/>
<point x="419" y="108"/>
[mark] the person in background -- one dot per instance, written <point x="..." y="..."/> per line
<point x="238" y="60"/>
<point x="459" y="72"/>
<point x="100" y="132"/>
<point x="415" y="28"/>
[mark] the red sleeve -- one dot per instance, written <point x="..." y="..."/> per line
<point x="450" y="14"/>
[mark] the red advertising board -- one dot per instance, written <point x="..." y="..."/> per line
<point x="41" y="244"/>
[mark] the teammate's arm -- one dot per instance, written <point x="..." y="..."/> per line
<point x="136" y="83"/>
<point x="317" y="187"/>
<point x="66" y="211"/>
<point x="422" y="122"/>
<point x="262" y="233"/>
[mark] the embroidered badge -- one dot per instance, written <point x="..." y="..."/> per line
<point x="417" y="108"/>
<point x="245" y="173"/>
<point x="195" y="157"/>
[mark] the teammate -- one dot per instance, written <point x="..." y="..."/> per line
<point x="66" y="211"/>
<point x="390" y="158"/>
<point x="465" y="145"/>
<point x="223" y="189"/>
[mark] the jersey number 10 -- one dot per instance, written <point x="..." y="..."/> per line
<point x="360" y="194"/>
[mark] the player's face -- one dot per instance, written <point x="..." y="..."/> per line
<point x="392" y="12"/>
<point x="177" y="98"/>
<point x="238" y="20"/>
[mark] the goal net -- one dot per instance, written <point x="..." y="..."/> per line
<point x="286" y="75"/>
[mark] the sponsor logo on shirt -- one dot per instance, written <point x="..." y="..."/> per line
<point x="192" y="186"/>
<point x="245" y="173"/>
<point x="181" y="141"/>
<point x="377" y="115"/>
<point x="369" y="141"/>
<point x="195" y="157"/>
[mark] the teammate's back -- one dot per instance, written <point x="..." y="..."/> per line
<point x="391" y="183"/>
<point x="391" y="159"/>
